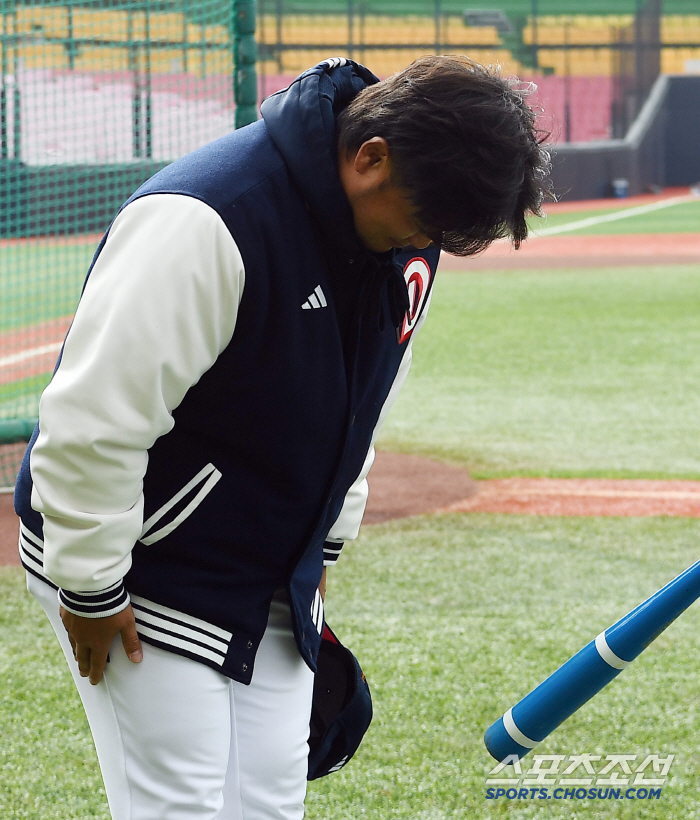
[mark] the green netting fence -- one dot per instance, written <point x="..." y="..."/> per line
<point x="94" y="98"/>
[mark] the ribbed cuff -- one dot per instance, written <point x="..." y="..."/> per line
<point x="331" y="552"/>
<point x="98" y="604"/>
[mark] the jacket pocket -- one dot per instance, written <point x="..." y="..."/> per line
<point x="203" y="483"/>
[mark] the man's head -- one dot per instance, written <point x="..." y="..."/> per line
<point x="445" y="150"/>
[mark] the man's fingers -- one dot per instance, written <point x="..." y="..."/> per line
<point x="91" y="639"/>
<point x="83" y="655"/>
<point x="131" y="643"/>
<point x="97" y="665"/>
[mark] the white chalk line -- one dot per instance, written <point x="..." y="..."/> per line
<point x="625" y="213"/>
<point x="31" y="353"/>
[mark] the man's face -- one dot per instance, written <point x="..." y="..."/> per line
<point x="383" y="213"/>
<point x="385" y="219"/>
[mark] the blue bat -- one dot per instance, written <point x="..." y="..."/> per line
<point x="529" y="722"/>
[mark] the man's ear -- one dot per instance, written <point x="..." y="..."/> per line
<point x="373" y="158"/>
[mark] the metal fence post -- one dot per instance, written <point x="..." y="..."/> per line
<point x="245" y="52"/>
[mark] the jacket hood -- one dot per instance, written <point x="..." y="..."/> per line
<point x="301" y="121"/>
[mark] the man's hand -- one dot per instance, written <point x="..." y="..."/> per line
<point x="91" y="639"/>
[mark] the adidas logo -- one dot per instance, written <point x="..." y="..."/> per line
<point x="316" y="300"/>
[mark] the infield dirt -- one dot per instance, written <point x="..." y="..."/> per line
<point x="586" y="251"/>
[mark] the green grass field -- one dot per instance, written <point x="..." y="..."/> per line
<point x="20" y="399"/>
<point x="683" y="217"/>
<point x="570" y="373"/>
<point x="457" y="617"/>
<point x="558" y="373"/>
<point x="41" y="281"/>
<point x="454" y="618"/>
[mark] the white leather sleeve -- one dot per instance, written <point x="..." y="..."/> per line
<point x="159" y="307"/>
<point x="347" y="525"/>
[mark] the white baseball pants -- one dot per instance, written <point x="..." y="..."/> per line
<point x="177" y="740"/>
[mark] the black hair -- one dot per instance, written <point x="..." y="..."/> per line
<point x="464" y="145"/>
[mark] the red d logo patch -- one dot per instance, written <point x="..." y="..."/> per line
<point x="417" y="275"/>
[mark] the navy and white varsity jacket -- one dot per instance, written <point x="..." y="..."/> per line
<point x="207" y="434"/>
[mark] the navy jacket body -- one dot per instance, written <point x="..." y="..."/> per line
<point x="287" y="412"/>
